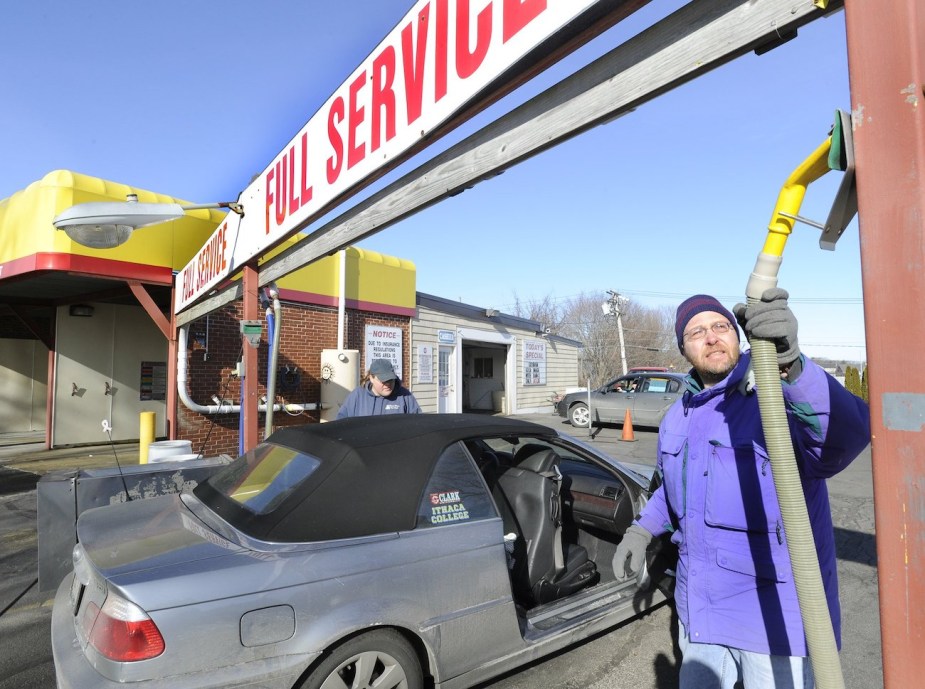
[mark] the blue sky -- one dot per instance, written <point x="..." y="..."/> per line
<point x="192" y="99"/>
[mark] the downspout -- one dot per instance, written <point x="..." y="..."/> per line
<point x="342" y="301"/>
<point x="276" y="326"/>
<point x="220" y="408"/>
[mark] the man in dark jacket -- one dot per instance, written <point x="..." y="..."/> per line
<point x="381" y="392"/>
<point x="735" y="596"/>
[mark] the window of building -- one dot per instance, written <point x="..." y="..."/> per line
<point x="483" y="367"/>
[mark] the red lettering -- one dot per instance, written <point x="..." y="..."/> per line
<point x="519" y="13"/>
<point x="336" y="161"/>
<point x="307" y="191"/>
<point x="204" y="258"/>
<point x="413" y="63"/>
<point x="281" y="187"/>
<point x="468" y="62"/>
<point x="293" y="199"/>
<point x="442" y="43"/>
<point x="355" y="152"/>
<point x="269" y="193"/>
<point x="383" y="97"/>
<point x="224" y="247"/>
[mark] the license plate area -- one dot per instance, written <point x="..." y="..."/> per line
<point x="77" y="590"/>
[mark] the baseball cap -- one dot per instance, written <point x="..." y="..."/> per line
<point x="382" y="369"/>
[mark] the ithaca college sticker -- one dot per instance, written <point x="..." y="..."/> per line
<point x="447" y="507"/>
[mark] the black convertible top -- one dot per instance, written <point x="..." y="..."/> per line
<point x="373" y="473"/>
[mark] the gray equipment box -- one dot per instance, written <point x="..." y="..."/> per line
<point x="62" y="496"/>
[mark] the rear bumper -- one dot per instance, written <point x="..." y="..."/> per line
<point x="74" y="671"/>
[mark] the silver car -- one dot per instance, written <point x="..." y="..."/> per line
<point x="379" y="551"/>
<point x="647" y="395"/>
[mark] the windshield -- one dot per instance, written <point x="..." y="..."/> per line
<point x="264" y="477"/>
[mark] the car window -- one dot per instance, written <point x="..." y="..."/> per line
<point x="261" y="479"/>
<point x="656" y="385"/>
<point x="630" y="384"/>
<point x="455" y="491"/>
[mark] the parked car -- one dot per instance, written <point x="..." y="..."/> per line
<point x="378" y="551"/>
<point x="646" y="394"/>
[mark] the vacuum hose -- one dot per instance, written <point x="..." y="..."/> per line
<point x="817" y="621"/>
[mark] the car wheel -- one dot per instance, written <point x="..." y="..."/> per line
<point x="382" y="658"/>
<point x="579" y="416"/>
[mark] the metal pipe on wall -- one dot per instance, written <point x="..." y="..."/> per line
<point x="219" y="408"/>
<point x="342" y="299"/>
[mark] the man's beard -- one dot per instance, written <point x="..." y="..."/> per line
<point x="711" y="374"/>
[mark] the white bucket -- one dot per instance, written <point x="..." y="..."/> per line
<point x="174" y="458"/>
<point x="163" y="450"/>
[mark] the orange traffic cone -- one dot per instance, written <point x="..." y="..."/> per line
<point x="628" y="428"/>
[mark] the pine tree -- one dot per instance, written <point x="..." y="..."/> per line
<point x="865" y="395"/>
<point x="852" y="380"/>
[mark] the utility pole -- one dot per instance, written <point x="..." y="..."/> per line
<point x="612" y="307"/>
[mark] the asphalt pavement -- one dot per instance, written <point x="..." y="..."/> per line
<point x="640" y="653"/>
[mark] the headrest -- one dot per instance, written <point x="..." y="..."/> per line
<point x="488" y="460"/>
<point x="540" y="462"/>
<point x="527" y="450"/>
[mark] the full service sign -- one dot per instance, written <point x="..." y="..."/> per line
<point x="433" y="62"/>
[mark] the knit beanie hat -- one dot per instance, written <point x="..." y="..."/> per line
<point x="698" y="304"/>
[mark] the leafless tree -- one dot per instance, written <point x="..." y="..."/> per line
<point x="544" y="311"/>
<point x="648" y="333"/>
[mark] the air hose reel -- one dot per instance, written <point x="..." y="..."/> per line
<point x="836" y="153"/>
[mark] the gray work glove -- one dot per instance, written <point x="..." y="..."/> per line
<point x="631" y="553"/>
<point x="771" y="319"/>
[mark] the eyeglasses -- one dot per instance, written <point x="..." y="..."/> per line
<point x="720" y="328"/>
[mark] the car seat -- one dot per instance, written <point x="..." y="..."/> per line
<point x="529" y="497"/>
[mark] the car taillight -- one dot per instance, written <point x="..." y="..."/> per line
<point x="123" y="632"/>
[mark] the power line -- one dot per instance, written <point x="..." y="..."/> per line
<point x="680" y="296"/>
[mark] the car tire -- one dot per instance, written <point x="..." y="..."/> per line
<point x="579" y="416"/>
<point x="381" y="658"/>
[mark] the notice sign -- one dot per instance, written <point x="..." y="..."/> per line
<point x="384" y="343"/>
<point x="153" y="384"/>
<point x="425" y="363"/>
<point x="439" y="57"/>
<point x="534" y="362"/>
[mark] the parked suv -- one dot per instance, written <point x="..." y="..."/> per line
<point x="647" y="395"/>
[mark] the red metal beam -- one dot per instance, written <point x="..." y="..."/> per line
<point x="50" y="384"/>
<point x="152" y="309"/>
<point x="46" y="337"/>
<point x="249" y="403"/>
<point x="887" y="74"/>
<point x="172" y="393"/>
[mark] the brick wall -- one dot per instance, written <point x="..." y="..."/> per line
<point x="306" y="330"/>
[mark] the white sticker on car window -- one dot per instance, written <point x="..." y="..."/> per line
<point x="447" y="507"/>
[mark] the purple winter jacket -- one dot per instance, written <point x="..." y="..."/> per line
<point x="734" y="581"/>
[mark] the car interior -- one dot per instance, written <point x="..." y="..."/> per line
<point x="567" y="512"/>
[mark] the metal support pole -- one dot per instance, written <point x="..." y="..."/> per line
<point x="614" y="305"/>
<point x="249" y="403"/>
<point x="622" y="343"/>
<point x="887" y="76"/>
<point x="172" y="412"/>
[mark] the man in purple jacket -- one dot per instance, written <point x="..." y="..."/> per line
<point x="735" y="597"/>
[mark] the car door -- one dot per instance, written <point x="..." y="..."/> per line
<point x="656" y="393"/>
<point x="615" y="398"/>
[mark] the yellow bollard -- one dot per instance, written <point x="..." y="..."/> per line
<point x="147" y="421"/>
